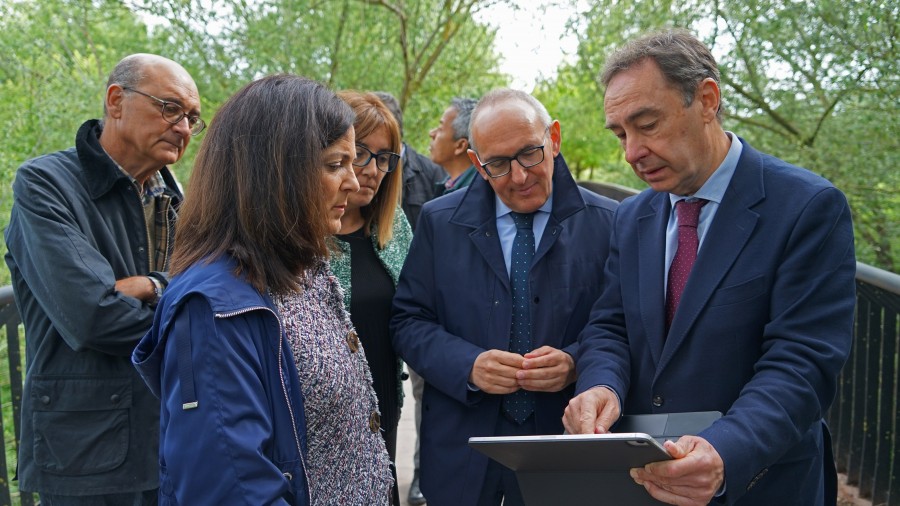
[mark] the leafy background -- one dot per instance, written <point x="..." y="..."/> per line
<point x="815" y="83"/>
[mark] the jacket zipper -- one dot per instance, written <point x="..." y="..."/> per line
<point x="287" y="398"/>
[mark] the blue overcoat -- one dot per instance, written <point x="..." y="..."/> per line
<point x="454" y="302"/>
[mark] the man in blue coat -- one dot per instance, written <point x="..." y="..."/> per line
<point x="497" y="354"/>
<point x="756" y="323"/>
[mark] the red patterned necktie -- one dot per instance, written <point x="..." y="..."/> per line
<point x="688" y="241"/>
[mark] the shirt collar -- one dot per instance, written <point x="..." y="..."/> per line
<point x="714" y="188"/>
<point x="153" y="187"/>
<point x="503" y="209"/>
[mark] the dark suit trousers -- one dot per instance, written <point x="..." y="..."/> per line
<point x="500" y="483"/>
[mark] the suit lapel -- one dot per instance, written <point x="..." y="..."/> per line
<point x="726" y="238"/>
<point x="567" y="200"/>
<point x="651" y="251"/>
<point x="488" y="245"/>
<point x="476" y="211"/>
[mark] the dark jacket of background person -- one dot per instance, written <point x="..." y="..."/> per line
<point x="76" y="211"/>
<point x="421" y="179"/>
<point x="441" y="339"/>
<point x="465" y="179"/>
<point x="237" y="345"/>
<point x="392" y="257"/>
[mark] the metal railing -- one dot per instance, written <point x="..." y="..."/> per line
<point x="863" y="418"/>
<point x="9" y="319"/>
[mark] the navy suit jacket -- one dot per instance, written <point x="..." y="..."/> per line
<point x="762" y="331"/>
<point x="453" y="302"/>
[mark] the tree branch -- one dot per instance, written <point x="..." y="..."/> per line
<point x="777" y="118"/>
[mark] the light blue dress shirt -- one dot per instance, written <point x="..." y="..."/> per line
<point x="712" y="190"/>
<point x="506" y="227"/>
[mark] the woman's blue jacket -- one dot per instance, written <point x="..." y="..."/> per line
<point x="232" y="428"/>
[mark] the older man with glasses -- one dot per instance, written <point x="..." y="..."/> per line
<point x="89" y="240"/>
<point x="498" y="282"/>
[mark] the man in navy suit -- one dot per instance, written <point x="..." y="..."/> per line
<point x="454" y="310"/>
<point x="763" y="324"/>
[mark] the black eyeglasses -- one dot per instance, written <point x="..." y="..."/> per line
<point x="527" y="157"/>
<point x="174" y="113"/>
<point x="385" y="161"/>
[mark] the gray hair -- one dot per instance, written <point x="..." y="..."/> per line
<point x="391" y="103"/>
<point x="683" y="59"/>
<point x="128" y="73"/>
<point x="501" y="95"/>
<point x="462" y="123"/>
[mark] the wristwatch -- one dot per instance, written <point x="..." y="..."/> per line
<point x="157" y="290"/>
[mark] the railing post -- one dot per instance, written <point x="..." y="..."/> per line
<point x="9" y="317"/>
<point x="869" y="392"/>
<point x="885" y="480"/>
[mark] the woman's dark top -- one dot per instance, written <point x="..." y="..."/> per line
<point x="370" y="312"/>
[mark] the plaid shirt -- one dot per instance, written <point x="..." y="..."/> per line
<point x="159" y="216"/>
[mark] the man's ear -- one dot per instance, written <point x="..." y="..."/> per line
<point x="474" y="158"/>
<point x="710" y="97"/>
<point x="115" y="96"/>
<point x="461" y="146"/>
<point x="555" y="138"/>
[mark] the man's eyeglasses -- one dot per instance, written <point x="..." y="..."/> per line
<point x="527" y="157"/>
<point x="174" y="113"/>
<point x="385" y="161"/>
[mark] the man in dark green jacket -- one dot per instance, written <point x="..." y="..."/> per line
<point x="450" y="144"/>
<point x="89" y="239"/>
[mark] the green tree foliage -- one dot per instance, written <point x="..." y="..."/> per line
<point x="421" y="51"/>
<point x="573" y="98"/>
<point x="815" y="83"/>
<point x="57" y="55"/>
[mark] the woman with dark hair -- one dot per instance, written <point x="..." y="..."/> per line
<point x="373" y="240"/>
<point x="265" y="398"/>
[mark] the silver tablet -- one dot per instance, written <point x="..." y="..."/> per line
<point x="572" y="452"/>
<point x="580" y="469"/>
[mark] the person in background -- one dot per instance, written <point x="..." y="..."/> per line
<point x="498" y="282"/>
<point x="450" y="145"/>
<point x="89" y="239"/>
<point x="266" y="396"/>
<point x="373" y="241"/>
<point x="756" y="323"/>
<point x="421" y="176"/>
<point x="422" y="181"/>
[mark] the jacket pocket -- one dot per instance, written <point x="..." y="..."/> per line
<point x="739" y="293"/>
<point x="80" y="424"/>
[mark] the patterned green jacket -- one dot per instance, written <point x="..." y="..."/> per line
<point x="392" y="256"/>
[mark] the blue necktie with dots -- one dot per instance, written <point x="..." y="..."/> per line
<point x="519" y="405"/>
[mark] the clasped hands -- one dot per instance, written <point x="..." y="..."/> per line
<point x="545" y="369"/>
<point x="692" y="478"/>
